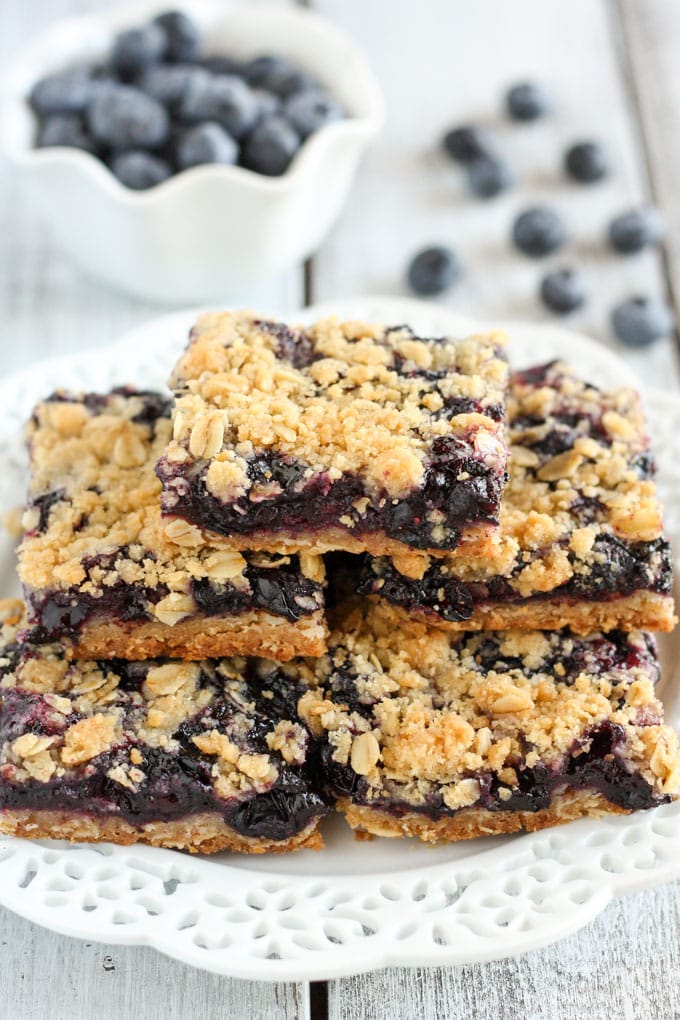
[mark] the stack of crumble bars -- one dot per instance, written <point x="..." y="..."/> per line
<point x="472" y="658"/>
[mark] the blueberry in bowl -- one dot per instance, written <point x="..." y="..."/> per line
<point x="293" y="103"/>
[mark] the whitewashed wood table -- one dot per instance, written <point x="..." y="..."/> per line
<point x="613" y="66"/>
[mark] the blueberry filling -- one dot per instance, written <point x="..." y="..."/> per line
<point x="282" y="591"/>
<point x="595" y="763"/>
<point x="177" y="783"/>
<point x="443" y="502"/>
<point x="617" y="569"/>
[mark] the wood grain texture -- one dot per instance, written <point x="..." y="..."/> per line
<point x="47" y="975"/>
<point x="445" y="63"/>
<point x="624" y="965"/>
<point x="652" y="37"/>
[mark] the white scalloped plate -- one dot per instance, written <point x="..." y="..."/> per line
<point x="355" y="906"/>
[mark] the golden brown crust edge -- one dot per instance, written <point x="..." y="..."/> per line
<point x="479" y="540"/>
<point x="472" y="822"/>
<point x="204" y="833"/>
<point x="257" y="634"/>
<point x="639" y="611"/>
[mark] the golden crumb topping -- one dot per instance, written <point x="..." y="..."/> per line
<point x="418" y="713"/>
<point x="340" y="397"/>
<point x="93" y="514"/>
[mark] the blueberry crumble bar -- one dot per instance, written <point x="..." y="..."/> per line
<point x="98" y="573"/>
<point x="202" y="756"/>
<point x="451" y="736"/>
<point x="341" y="435"/>
<point x="581" y="531"/>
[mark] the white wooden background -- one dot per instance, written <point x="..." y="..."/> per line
<point x="614" y="66"/>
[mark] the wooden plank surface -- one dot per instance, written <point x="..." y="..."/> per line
<point x="625" y="965"/>
<point x="444" y="63"/>
<point x="651" y="33"/>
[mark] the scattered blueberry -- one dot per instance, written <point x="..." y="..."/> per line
<point x="433" y="270"/>
<point x="182" y="39"/>
<point x="586" y="162"/>
<point x="539" y="231"/>
<point x="640" y="321"/>
<point x="124" y="117"/>
<point x="140" y="170"/>
<point x="311" y="110"/>
<point x="205" y="143"/>
<point x="170" y="83"/>
<point x="270" y="146"/>
<point x="636" y="229"/>
<point x="488" y="176"/>
<point x="223" y="98"/>
<point x="563" y="290"/>
<point x="136" y="49"/>
<point x="64" y="129"/>
<point x="267" y="103"/>
<point x="528" y="101"/>
<point x="467" y="143"/>
<point x="63" y="92"/>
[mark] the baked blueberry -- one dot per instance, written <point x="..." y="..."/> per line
<point x="586" y="162"/>
<point x="465" y="144"/>
<point x="270" y="146"/>
<point x="64" y="129"/>
<point x="136" y="49"/>
<point x="488" y="176"/>
<point x="636" y="229"/>
<point x="311" y="110"/>
<point x="539" y="231"/>
<point x="140" y="170"/>
<point x="205" y="143"/>
<point x="64" y="92"/>
<point x="182" y="38"/>
<point x="639" y="321"/>
<point x="223" y="98"/>
<point x="563" y="290"/>
<point x="433" y="270"/>
<point x="124" y="117"/>
<point x="528" y="101"/>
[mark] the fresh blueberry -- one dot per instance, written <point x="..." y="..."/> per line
<point x="563" y="291"/>
<point x="205" y="143"/>
<point x="123" y="117"/>
<point x="64" y="129"/>
<point x="136" y="49"/>
<point x="528" y="101"/>
<point x="586" y="162"/>
<point x="538" y="231"/>
<point x="433" y="270"/>
<point x="140" y="170"/>
<point x="267" y="103"/>
<point x="223" y="98"/>
<point x="488" y="176"/>
<point x="270" y="146"/>
<point x="309" y="111"/>
<point x="170" y="83"/>
<point x="640" y="321"/>
<point x="636" y="229"/>
<point x="277" y="75"/>
<point x="64" y="92"/>
<point x="219" y="64"/>
<point x="464" y="144"/>
<point x="182" y="38"/>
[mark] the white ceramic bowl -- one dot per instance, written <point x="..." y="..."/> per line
<point x="212" y="232"/>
